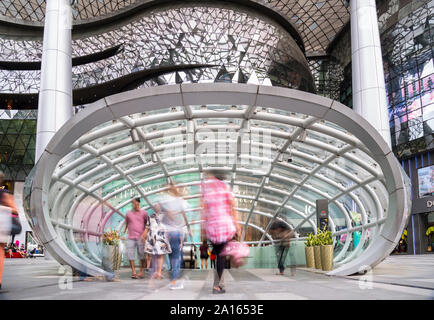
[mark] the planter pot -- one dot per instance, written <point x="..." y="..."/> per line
<point x="111" y="258"/>
<point x="310" y="257"/>
<point x="327" y="257"/>
<point x="317" y="255"/>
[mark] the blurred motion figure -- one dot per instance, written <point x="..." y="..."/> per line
<point x="173" y="207"/>
<point x="282" y="234"/>
<point x="219" y="220"/>
<point x="7" y="209"/>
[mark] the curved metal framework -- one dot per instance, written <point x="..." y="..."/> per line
<point x="241" y="45"/>
<point x="132" y="144"/>
<point x="318" y="22"/>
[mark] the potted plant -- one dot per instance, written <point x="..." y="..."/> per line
<point x="310" y="258"/>
<point x="317" y="249"/>
<point x="429" y="233"/>
<point x="326" y="251"/>
<point x="111" y="255"/>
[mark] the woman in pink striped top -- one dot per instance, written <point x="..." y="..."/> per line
<point x="219" y="216"/>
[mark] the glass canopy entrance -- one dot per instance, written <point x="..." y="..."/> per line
<point x="282" y="150"/>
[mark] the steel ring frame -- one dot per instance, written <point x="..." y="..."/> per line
<point x="124" y="104"/>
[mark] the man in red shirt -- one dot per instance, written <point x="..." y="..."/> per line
<point x="135" y="222"/>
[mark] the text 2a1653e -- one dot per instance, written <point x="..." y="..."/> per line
<point x="240" y="309"/>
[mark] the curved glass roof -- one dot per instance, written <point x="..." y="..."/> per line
<point x="277" y="162"/>
<point x="318" y="22"/>
<point x="281" y="149"/>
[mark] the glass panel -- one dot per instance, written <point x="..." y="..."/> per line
<point x="243" y="190"/>
<point x="351" y="168"/>
<point x="323" y="186"/>
<point x="280" y="184"/>
<point x="272" y="125"/>
<point x="145" y="174"/>
<point x="315" y="135"/>
<point x="310" y="150"/>
<point x="131" y="163"/>
<point x="110" y="138"/>
<point x="288" y="172"/>
<point x="308" y="195"/>
<point x="305" y="229"/>
<point x="272" y="196"/>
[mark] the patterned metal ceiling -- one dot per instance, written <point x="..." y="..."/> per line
<point x="239" y="46"/>
<point x="317" y="21"/>
<point x="33" y="10"/>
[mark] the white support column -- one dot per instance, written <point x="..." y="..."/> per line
<point x="369" y="92"/>
<point x="55" y="95"/>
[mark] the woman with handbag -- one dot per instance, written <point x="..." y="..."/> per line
<point x="220" y="216"/>
<point x="9" y="222"/>
<point x="157" y="243"/>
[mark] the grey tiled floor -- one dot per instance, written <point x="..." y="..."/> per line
<point x="396" y="278"/>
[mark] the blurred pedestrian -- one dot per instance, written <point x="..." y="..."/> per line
<point x="148" y="259"/>
<point x="10" y="250"/>
<point x="219" y="216"/>
<point x="156" y="243"/>
<point x="136" y="221"/>
<point x="8" y="208"/>
<point x="282" y="234"/>
<point x="212" y="258"/>
<point x="204" y="254"/>
<point x="173" y="207"/>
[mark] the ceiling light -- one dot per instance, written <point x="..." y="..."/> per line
<point x="190" y="126"/>
<point x="134" y="135"/>
<point x="303" y="136"/>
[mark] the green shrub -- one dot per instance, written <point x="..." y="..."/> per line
<point x="327" y="238"/>
<point x="316" y="239"/>
<point x="321" y="238"/>
<point x="310" y="240"/>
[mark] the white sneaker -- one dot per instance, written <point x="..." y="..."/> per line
<point x="177" y="286"/>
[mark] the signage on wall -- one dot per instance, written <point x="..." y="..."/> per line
<point x="422" y="205"/>
<point x="426" y="181"/>
<point x="322" y="212"/>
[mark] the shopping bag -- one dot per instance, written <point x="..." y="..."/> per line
<point x="5" y="224"/>
<point x="238" y="251"/>
<point x="15" y="225"/>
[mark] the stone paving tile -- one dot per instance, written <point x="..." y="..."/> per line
<point x="281" y="296"/>
<point x="243" y="275"/>
<point x="40" y="280"/>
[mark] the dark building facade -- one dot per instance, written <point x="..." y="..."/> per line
<point x="407" y="39"/>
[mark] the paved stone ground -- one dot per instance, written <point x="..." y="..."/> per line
<point x="396" y="278"/>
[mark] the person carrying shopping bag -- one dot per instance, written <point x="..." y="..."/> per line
<point x="9" y="222"/>
<point x="219" y="220"/>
